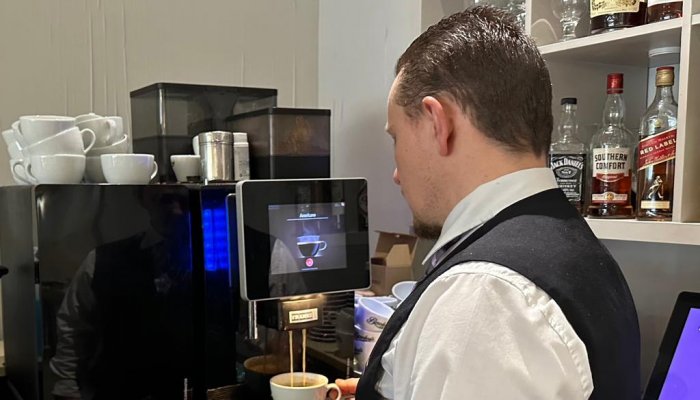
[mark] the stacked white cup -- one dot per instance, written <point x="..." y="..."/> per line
<point x="110" y="160"/>
<point x="110" y="138"/>
<point x="371" y="317"/>
<point x="47" y="149"/>
<point x="60" y="149"/>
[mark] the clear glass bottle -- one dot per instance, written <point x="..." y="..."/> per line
<point x="657" y="152"/>
<point x="612" y="159"/>
<point x="567" y="155"/>
<point x="569" y="13"/>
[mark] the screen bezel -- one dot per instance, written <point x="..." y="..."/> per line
<point x="685" y="302"/>
<point x="252" y="200"/>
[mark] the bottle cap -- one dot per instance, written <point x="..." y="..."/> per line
<point x="665" y="76"/>
<point x="615" y="83"/>
<point x="568" y="100"/>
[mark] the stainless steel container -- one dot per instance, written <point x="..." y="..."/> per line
<point x="216" y="152"/>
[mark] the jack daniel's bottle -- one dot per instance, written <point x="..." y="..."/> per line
<point x="657" y="152"/>
<point x="612" y="159"/>
<point x="567" y="156"/>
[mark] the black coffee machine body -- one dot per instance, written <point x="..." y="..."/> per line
<point x="117" y="291"/>
<point x="132" y="291"/>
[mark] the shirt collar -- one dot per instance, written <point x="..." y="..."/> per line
<point x="489" y="199"/>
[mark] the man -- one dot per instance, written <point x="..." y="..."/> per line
<point x="520" y="300"/>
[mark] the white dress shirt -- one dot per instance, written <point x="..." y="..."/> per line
<point x="481" y="330"/>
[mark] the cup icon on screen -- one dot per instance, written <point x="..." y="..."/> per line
<point x="310" y="245"/>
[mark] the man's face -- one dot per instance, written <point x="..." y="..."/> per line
<point x="414" y="154"/>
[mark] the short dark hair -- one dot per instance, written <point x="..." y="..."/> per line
<point x="483" y="61"/>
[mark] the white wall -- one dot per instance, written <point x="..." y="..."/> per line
<point x="70" y="57"/>
<point x="359" y="43"/>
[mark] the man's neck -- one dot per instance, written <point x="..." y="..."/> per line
<point x="488" y="167"/>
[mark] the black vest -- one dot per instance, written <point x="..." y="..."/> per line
<point x="544" y="239"/>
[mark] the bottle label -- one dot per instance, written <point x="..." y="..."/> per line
<point x="611" y="164"/>
<point x="657" y="149"/>
<point x="653" y="150"/>
<point x="656" y="2"/>
<point x="605" y="7"/>
<point x="655" y="205"/>
<point x="569" y="172"/>
<point x="609" y="198"/>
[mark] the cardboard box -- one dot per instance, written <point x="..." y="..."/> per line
<point x="392" y="261"/>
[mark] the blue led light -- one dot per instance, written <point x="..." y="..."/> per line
<point x="215" y="235"/>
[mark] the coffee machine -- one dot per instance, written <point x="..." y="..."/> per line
<point x="145" y="291"/>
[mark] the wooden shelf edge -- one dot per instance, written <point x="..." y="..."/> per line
<point x="594" y="40"/>
<point x="684" y="233"/>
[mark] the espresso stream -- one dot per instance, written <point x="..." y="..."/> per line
<point x="303" y="382"/>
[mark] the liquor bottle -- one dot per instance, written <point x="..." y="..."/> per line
<point x="610" y="15"/>
<point x="661" y="10"/>
<point x="657" y="152"/>
<point x="567" y="156"/>
<point x="612" y="150"/>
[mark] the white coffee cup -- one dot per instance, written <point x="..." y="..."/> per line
<point x="107" y="129"/>
<point x="9" y="137"/>
<point x="119" y="147"/>
<point x="134" y="169"/>
<point x="69" y="141"/>
<point x="364" y="344"/>
<point x="372" y="314"/>
<point x="13" y="148"/>
<point x="401" y="290"/>
<point x="54" y="168"/>
<point x="34" y="128"/>
<point x="186" y="166"/>
<point x="195" y="145"/>
<point x="93" y="170"/>
<point x="86" y="117"/>
<point x="390" y="301"/>
<point x="317" y="389"/>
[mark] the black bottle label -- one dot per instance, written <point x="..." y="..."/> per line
<point x="569" y="171"/>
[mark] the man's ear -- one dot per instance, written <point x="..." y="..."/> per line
<point x="442" y="123"/>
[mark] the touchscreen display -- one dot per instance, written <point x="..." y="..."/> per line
<point x="682" y="379"/>
<point x="307" y="237"/>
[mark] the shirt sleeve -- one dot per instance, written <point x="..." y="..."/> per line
<point x="481" y="335"/>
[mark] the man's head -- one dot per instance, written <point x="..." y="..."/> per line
<point x="471" y="102"/>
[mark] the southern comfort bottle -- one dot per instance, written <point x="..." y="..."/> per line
<point x="657" y="152"/>
<point x="612" y="159"/>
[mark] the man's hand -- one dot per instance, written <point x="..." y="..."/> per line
<point x="347" y="386"/>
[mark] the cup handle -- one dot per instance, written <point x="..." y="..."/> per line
<point x="19" y="163"/>
<point x="333" y="386"/>
<point x="325" y="244"/>
<point x="155" y="170"/>
<point x="92" y="142"/>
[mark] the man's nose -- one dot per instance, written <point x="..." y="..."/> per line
<point x="396" y="176"/>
